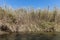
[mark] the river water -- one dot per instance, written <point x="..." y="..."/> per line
<point x="15" y="36"/>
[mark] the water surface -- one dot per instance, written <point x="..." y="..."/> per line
<point x="15" y="36"/>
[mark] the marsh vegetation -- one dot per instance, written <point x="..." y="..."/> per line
<point x="29" y="20"/>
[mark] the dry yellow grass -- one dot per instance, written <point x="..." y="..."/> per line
<point x="32" y="21"/>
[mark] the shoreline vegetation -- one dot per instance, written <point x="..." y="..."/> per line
<point x="32" y="21"/>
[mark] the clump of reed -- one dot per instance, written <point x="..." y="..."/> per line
<point x="41" y="18"/>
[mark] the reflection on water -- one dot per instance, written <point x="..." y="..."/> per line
<point x="29" y="37"/>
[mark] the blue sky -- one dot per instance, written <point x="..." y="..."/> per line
<point x="31" y="3"/>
